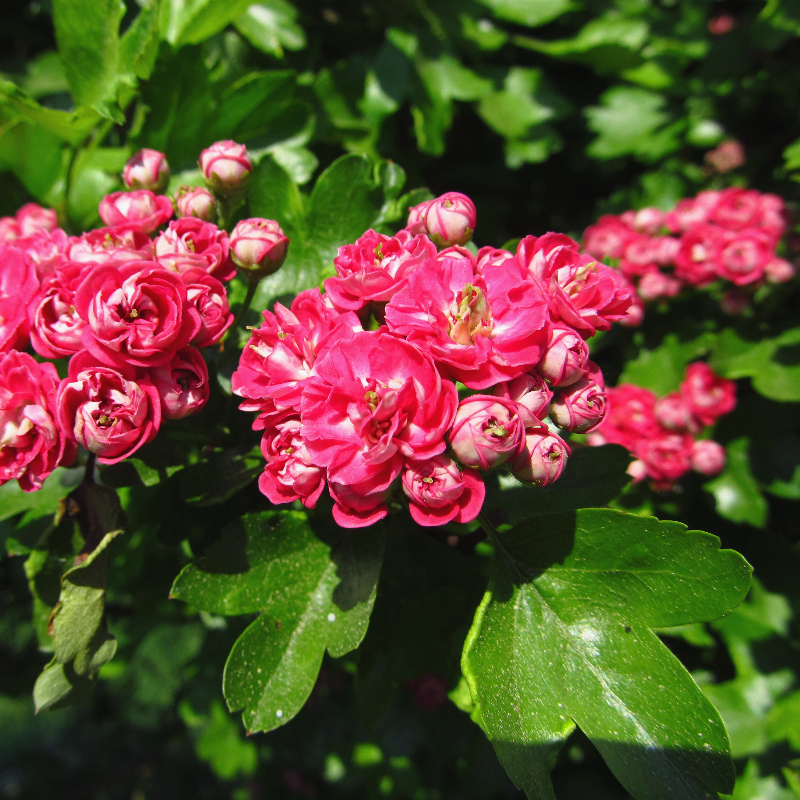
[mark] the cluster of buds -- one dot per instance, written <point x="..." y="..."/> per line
<point x="129" y="305"/>
<point x="372" y="409"/>
<point x="662" y="434"/>
<point x="727" y="236"/>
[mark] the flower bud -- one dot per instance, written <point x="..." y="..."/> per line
<point x="487" y="431"/>
<point x="531" y="394"/>
<point x="195" y="201"/>
<point x="581" y="406"/>
<point x="226" y="167"/>
<point x="258" y="246"/>
<point x="707" y="457"/>
<point x="147" y="169"/>
<point x="779" y="270"/>
<point x="416" y="218"/>
<point x="564" y="358"/>
<point x="450" y="219"/>
<point x="673" y="413"/>
<point x="542" y="459"/>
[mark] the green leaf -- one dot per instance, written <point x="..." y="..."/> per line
<point x="270" y="26"/>
<point x="313" y="596"/>
<point x="219" y="477"/>
<point x="662" y="369"/>
<point x="527" y="12"/>
<point x="139" y="45"/>
<point x="81" y="606"/>
<point x="593" y="476"/>
<point x="630" y="121"/>
<point x="44" y="502"/>
<point x="87" y="32"/>
<point x="274" y="195"/>
<point x="563" y="637"/>
<point x="220" y="744"/>
<point x="735" y="490"/>
<point x="192" y="21"/>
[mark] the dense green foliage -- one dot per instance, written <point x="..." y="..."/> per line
<point x="600" y="660"/>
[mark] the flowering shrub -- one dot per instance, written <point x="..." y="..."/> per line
<point x="729" y="236"/>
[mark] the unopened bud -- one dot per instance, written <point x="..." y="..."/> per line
<point x="226" y="167"/>
<point x="258" y="246"/>
<point x="147" y="169"/>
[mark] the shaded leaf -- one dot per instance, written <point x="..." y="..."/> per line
<point x="735" y="490"/>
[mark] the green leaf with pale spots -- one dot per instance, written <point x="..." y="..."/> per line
<point x="314" y="595"/>
<point x="564" y="637"/>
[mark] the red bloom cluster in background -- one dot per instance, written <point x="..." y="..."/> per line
<point x="729" y="235"/>
<point x="365" y="411"/>
<point x="127" y="304"/>
<point x="662" y="433"/>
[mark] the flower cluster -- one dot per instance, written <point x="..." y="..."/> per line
<point x="662" y="434"/>
<point x="370" y="409"/>
<point x="729" y="236"/>
<point x="128" y="304"/>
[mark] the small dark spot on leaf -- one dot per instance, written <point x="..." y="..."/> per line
<point x="278" y="624"/>
<point x="627" y="629"/>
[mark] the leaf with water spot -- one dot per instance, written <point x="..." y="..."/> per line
<point x="564" y="637"/>
<point x="313" y="594"/>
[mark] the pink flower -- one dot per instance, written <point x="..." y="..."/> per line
<point x="147" y="169"/>
<point x="542" y="458"/>
<point x="530" y="393"/>
<point x="450" y="219"/>
<point x="674" y="414"/>
<point x="656" y="284"/>
<point x="692" y="211"/>
<point x="439" y="492"/>
<point x="630" y="416"/>
<point x="290" y="473"/>
<point x="375" y="401"/>
<point x="482" y="329"/>
<point x="581" y="406"/>
<point x="56" y="326"/>
<point x="189" y="243"/>
<point x="136" y="314"/>
<point x="195" y="201"/>
<point x="584" y="294"/>
<point x="707" y="457"/>
<point x="109" y="244"/>
<point x="140" y="210"/>
<point x="31" y="444"/>
<point x="491" y="255"/>
<point x="742" y="257"/>
<point x="666" y="457"/>
<point x="608" y="237"/>
<point x="726" y="156"/>
<point x="19" y="287"/>
<point x="32" y="218"/>
<point x="487" y="431"/>
<point x="45" y="249"/>
<point x="206" y="294"/>
<point x="258" y="246"/>
<point x="226" y="166"/>
<point x="9" y="230"/>
<point x="737" y="209"/>
<point x="109" y="412"/>
<point x="374" y="268"/>
<point x="779" y="270"/>
<point x="182" y="384"/>
<point x="564" y="358"/>
<point x="281" y="355"/>
<point x="695" y="261"/>
<point x="707" y="395"/>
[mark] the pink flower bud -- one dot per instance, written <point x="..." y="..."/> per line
<point x="140" y="210"/>
<point x="581" y="406"/>
<point x="637" y="469"/>
<point x="147" y="169"/>
<point x="226" y="167"/>
<point x="487" y="431"/>
<point x="182" y="384"/>
<point x="416" y="218"/>
<point x="450" y="219"/>
<point x="634" y="316"/>
<point x="258" y="246"/>
<point x="726" y="156"/>
<point x="648" y="220"/>
<point x="531" y="394"/>
<point x="707" y="457"/>
<point x="708" y="396"/>
<point x="195" y="201"/>
<point x="653" y="285"/>
<point x="542" y="459"/>
<point x="778" y="270"/>
<point x="564" y="358"/>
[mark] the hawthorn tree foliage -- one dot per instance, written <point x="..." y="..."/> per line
<point x="323" y="420"/>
